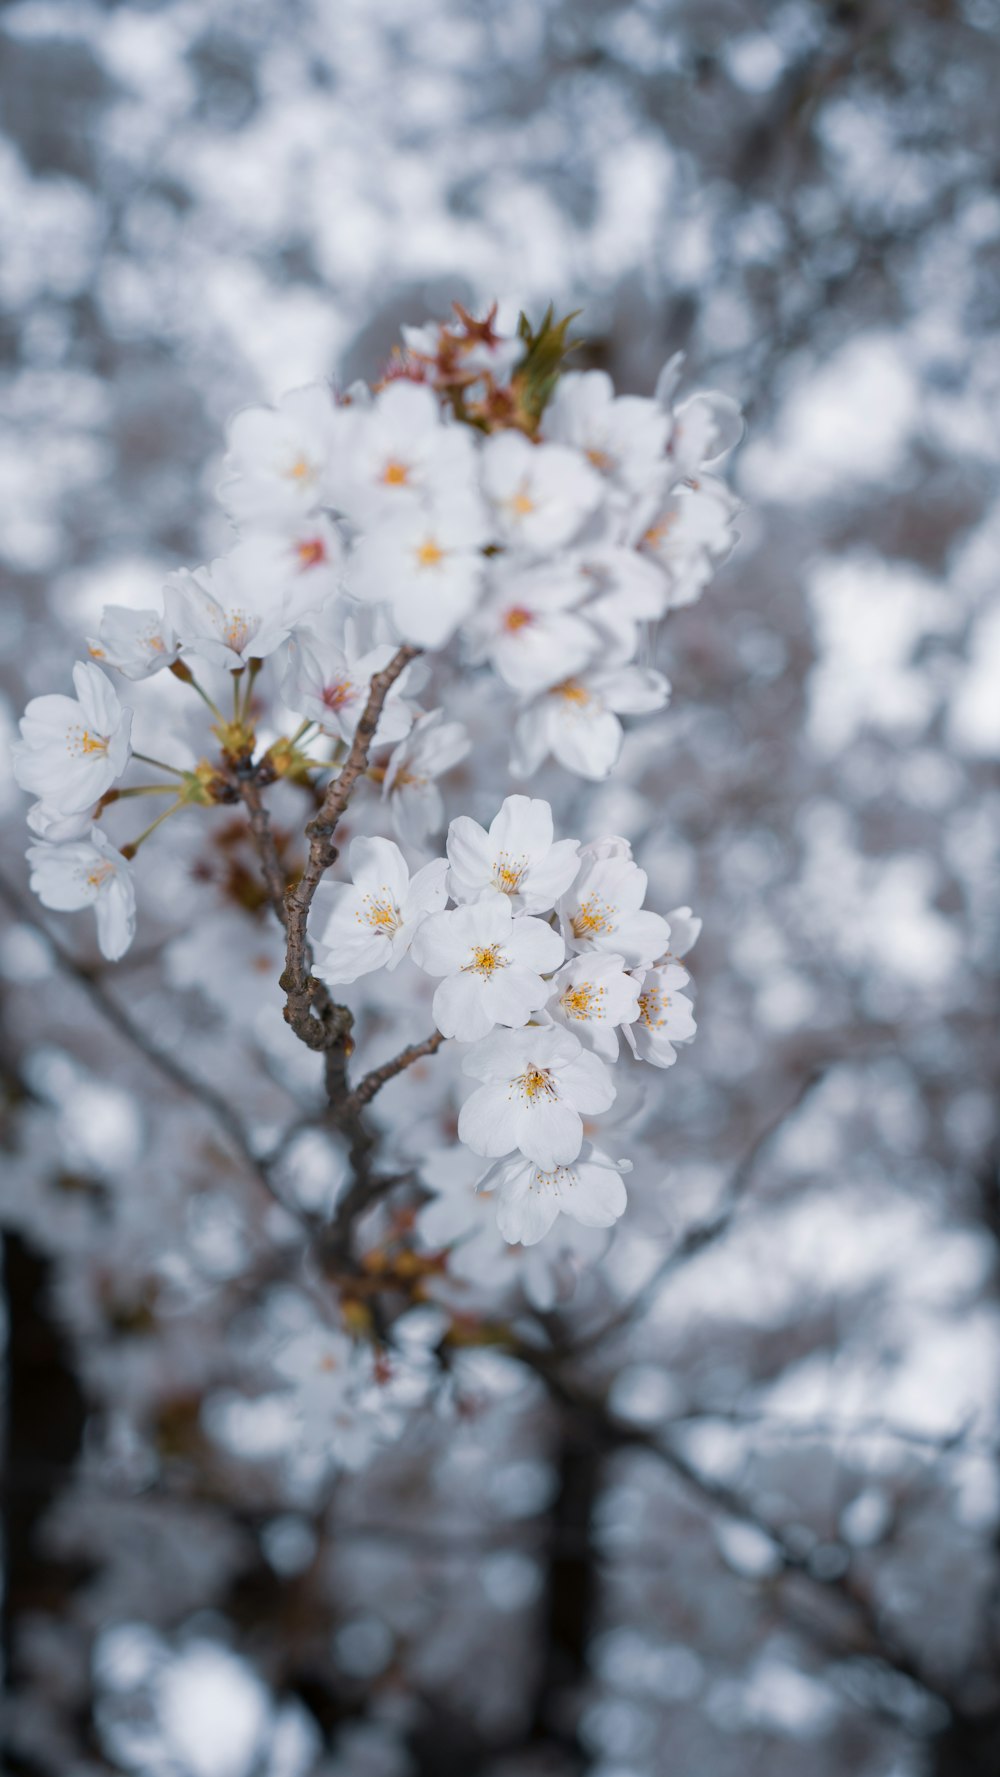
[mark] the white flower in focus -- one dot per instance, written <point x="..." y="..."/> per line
<point x="278" y="465"/>
<point x="136" y="643"/>
<point x="518" y="856"/>
<point x="537" y="1086"/>
<point x="540" y="494"/>
<point x="492" y="965"/>
<point x="73" y="749"/>
<point x="577" y="720"/>
<point x="327" y="681"/>
<point x="591" y="995"/>
<point x="603" y="910"/>
<point x="426" y="565"/>
<point x="527" y="628"/>
<point x="590" y="1191"/>
<point x="622" y="436"/>
<point x="404" y="455"/>
<point x="239" y="608"/>
<point x="666" y="1016"/>
<point x="88" y="873"/>
<point x="369" y="923"/>
<point x="431" y="748"/>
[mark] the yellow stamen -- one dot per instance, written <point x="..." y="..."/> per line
<point x="653" y="1006"/>
<point x="429" y="554"/>
<point x="336" y="695"/>
<point x="517" y="618"/>
<point x="486" y="960"/>
<point x="583" y="1001"/>
<point x="594" y="916"/>
<point x="521" y="504"/>
<point x="395" y="474"/>
<point x="380" y="912"/>
<point x="508" y="873"/>
<point x="572" y="691"/>
<point x="80" y="742"/>
<point x="601" y="460"/>
<point x="534" y="1083"/>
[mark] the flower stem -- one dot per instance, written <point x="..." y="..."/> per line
<point x="129" y="851"/>
<point x="147" y="759"/>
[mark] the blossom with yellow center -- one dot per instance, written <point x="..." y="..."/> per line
<point x="592" y="916"/>
<point x="533" y="1084"/>
<point x="572" y="692"/>
<point x="517" y="617"/>
<point x="508" y="872"/>
<point x="583" y="1001"/>
<point x="653" y="1005"/>
<point x="337" y="694"/>
<point x="486" y="960"/>
<point x="380" y="912"/>
<point x="80" y="742"/>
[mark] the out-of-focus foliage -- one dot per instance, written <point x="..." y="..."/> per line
<point x="776" y="1548"/>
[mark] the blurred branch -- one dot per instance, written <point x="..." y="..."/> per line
<point x="121" y="1021"/>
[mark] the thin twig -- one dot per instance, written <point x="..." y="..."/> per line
<point x="171" y="1069"/>
<point x="373" y="1082"/>
<point x="706" y="1233"/>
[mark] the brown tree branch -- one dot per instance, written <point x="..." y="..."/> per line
<point x="373" y="1082"/>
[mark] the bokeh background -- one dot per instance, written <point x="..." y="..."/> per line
<point x="781" y="1553"/>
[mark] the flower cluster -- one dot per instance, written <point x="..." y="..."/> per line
<point x="485" y="500"/>
<point x="545" y="957"/>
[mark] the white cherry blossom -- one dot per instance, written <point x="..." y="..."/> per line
<point x="577" y="720"/>
<point x="402" y="454"/>
<point x="685" y="930"/>
<point x="591" y="995"/>
<point x="426" y="565"/>
<point x="528" y="628"/>
<point x="705" y="428"/>
<point x="278" y="465"/>
<point x="687" y="532"/>
<point x="537" y="1086"/>
<point x="327" y="681"/>
<point x="370" y="922"/>
<point x="518" y="856"/>
<point x="603" y="910"/>
<point x="234" y="611"/>
<point x="623" y="437"/>
<point x="666" y="1016"/>
<point x="431" y="748"/>
<point x="492" y="964"/>
<point x="529" y="1198"/>
<point x="540" y="494"/>
<point x="136" y="643"/>
<point x="73" y="749"/>
<point x="88" y="873"/>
